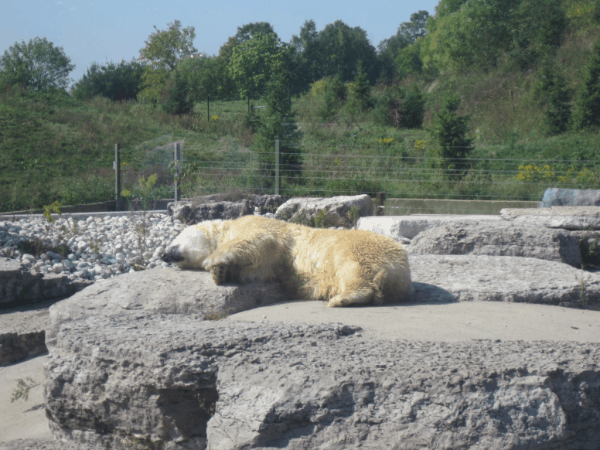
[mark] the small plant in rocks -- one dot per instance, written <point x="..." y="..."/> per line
<point x="22" y="389"/>
<point x="37" y="246"/>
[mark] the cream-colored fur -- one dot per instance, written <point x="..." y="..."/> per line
<point x="346" y="267"/>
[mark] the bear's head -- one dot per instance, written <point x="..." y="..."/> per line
<point x="193" y="245"/>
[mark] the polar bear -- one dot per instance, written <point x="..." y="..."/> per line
<point x="345" y="267"/>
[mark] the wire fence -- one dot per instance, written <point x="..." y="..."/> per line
<point x="398" y="176"/>
<point x="151" y="171"/>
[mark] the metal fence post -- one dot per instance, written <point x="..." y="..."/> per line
<point x="176" y="159"/>
<point x="117" y="168"/>
<point x="276" y="166"/>
<point x="380" y="204"/>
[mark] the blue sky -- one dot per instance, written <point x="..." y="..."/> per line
<point x="110" y="30"/>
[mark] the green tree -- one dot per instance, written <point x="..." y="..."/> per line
<point x="478" y="33"/>
<point x="334" y="97"/>
<point x="243" y="35"/>
<point x="37" y="65"/>
<point x="170" y="46"/>
<point x="551" y="89"/>
<point x="201" y="77"/>
<point x="408" y="61"/>
<point x="176" y="98"/>
<point x="253" y="30"/>
<point x="400" y="108"/>
<point x="447" y="7"/>
<point x="154" y="82"/>
<point x="536" y="30"/>
<point x="413" y="108"/>
<point x="278" y="122"/>
<point x="389" y="50"/>
<point x="340" y="49"/>
<point x="306" y="55"/>
<point x="256" y="61"/>
<point x="450" y="131"/>
<point x="121" y="81"/>
<point x="587" y="107"/>
<point x="359" y="98"/>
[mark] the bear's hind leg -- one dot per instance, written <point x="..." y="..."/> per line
<point x="365" y="296"/>
<point x="360" y="297"/>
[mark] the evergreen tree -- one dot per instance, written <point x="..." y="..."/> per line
<point x="360" y="92"/>
<point x="413" y="108"/>
<point x="587" y="108"/>
<point x="175" y="99"/>
<point x="121" y="81"/>
<point x="558" y="112"/>
<point x="551" y="89"/>
<point x="450" y="131"/>
<point x="397" y="107"/>
<point x="278" y="122"/>
<point x="335" y="96"/>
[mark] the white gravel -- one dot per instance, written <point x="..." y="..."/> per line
<point x="102" y="247"/>
<point x="121" y="243"/>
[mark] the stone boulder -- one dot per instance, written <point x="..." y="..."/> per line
<point x="566" y="217"/>
<point x="403" y="228"/>
<point x="166" y="291"/>
<point x="498" y="239"/>
<point x="589" y="243"/>
<point x="18" y="286"/>
<point x="336" y="211"/>
<point x="222" y="206"/>
<point x="570" y="197"/>
<point x="450" y="278"/>
<point x="15" y="347"/>
<point x="138" y="380"/>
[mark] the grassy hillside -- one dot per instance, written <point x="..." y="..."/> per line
<point x="54" y="148"/>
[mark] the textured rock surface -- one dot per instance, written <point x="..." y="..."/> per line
<point x="170" y="291"/>
<point x="570" y="197"/>
<point x="567" y="217"/>
<point x="154" y="381"/>
<point x="335" y="209"/>
<point x="16" y="347"/>
<point x="399" y="227"/>
<point x="40" y="444"/>
<point x="502" y="278"/>
<point x="221" y="206"/>
<point x="498" y="239"/>
<point x="19" y="286"/>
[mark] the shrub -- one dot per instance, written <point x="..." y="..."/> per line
<point x="399" y="108"/>
<point x="335" y="96"/>
<point x="450" y="131"/>
<point x="359" y="98"/>
<point x="116" y="82"/>
<point x="587" y="108"/>
<point x="176" y="99"/>
<point x="278" y="122"/>
<point x="551" y="89"/>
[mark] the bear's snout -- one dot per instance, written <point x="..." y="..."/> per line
<point x="172" y="254"/>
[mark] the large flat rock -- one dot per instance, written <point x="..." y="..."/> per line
<point x="398" y="227"/>
<point x="439" y="278"/>
<point x="169" y="291"/>
<point x="139" y="380"/>
<point x="567" y="217"/>
<point x="498" y="239"/>
<point x="436" y="278"/>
